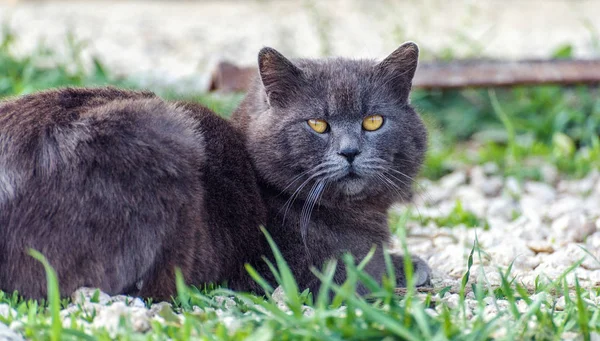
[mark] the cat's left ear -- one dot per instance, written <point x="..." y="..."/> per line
<point x="398" y="69"/>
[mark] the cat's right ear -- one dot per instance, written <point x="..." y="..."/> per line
<point x="280" y="77"/>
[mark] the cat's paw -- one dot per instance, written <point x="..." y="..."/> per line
<point x="421" y="272"/>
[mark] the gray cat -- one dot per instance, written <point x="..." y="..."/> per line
<point x="117" y="188"/>
<point x="334" y="143"/>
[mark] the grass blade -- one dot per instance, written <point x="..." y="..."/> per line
<point x="183" y="293"/>
<point x="290" y="287"/>
<point x="53" y="295"/>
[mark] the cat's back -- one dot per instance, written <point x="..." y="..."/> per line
<point x="95" y="179"/>
<point x="42" y="133"/>
<point x="30" y="115"/>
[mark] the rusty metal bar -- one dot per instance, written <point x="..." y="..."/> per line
<point x="228" y="77"/>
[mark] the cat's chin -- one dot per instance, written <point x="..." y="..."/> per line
<point x="352" y="186"/>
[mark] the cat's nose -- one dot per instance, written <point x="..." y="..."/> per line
<point x="349" y="153"/>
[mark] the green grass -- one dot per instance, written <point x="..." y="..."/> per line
<point x="458" y="216"/>
<point x="336" y="313"/>
<point x="513" y="128"/>
<point x="510" y="126"/>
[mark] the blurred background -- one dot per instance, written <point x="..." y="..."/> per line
<point x="177" y="43"/>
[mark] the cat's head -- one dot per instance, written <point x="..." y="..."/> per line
<point x="336" y="127"/>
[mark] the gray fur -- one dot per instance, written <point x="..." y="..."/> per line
<point x="321" y="204"/>
<point x="118" y="188"/>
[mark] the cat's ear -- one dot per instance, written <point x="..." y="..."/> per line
<point x="398" y="69"/>
<point x="280" y="77"/>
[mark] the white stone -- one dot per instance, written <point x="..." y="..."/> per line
<point x="452" y="300"/>
<point x="522" y="306"/>
<point x="540" y="246"/>
<point x="540" y="190"/>
<point x="593" y="241"/>
<point x="489" y="186"/>
<point x="527" y="279"/>
<point x="533" y="208"/>
<point x="493" y="236"/>
<point x="561" y="303"/>
<point x="432" y="312"/>
<point x="231" y="323"/>
<point x="578" y="187"/>
<point x="572" y="227"/>
<point x="554" y="264"/>
<point x="84" y="295"/>
<point x="513" y="187"/>
<point x="453" y="180"/>
<point x="549" y="173"/>
<point x="85" y="307"/>
<point x="450" y="260"/>
<point x="565" y="204"/>
<point x="490" y="168"/>
<point x="514" y="251"/>
<point x="225" y="302"/>
<point x="542" y="296"/>
<point x="129" y="301"/>
<point x="570" y="336"/>
<point x="441" y="280"/>
<point x="472" y="200"/>
<point x="6" y="311"/>
<point x="492" y="186"/>
<point x="109" y="317"/>
<point x="280" y="298"/>
<point x="476" y="176"/>
<point x="591" y="206"/>
<point x="308" y="311"/>
<point x="587" y="184"/>
<point x="528" y="229"/>
<point x="435" y="194"/>
<point x="502" y="207"/>
<point x="156" y="308"/>
<point x="7" y="334"/>
<point x="471" y="303"/>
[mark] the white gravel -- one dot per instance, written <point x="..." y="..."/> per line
<point x="7" y="334"/>
<point x="541" y="228"/>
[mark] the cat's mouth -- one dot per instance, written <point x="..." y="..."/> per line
<point x="352" y="175"/>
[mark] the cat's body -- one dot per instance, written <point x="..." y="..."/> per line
<point x="117" y="188"/>
<point x="335" y="143"/>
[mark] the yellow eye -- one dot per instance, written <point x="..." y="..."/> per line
<point x="320" y="126"/>
<point x="372" y="123"/>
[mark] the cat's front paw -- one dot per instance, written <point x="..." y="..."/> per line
<point x="421" y="272"/>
